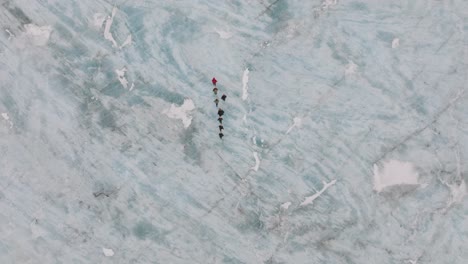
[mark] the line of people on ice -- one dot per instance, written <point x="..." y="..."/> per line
<point x="220" y="111"/>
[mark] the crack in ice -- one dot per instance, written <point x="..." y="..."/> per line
<point x="310" y="199"/>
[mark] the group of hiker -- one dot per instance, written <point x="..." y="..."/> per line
<point x="220" y="111"/>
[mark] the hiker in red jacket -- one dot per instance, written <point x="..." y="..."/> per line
<point x="214" y="81"/>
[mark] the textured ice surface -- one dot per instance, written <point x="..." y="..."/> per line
<point x="245" y="82"/>
<point x="95" y="160"/>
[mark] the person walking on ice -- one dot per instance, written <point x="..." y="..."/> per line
<point x="221" y="128"/>
<point x="221" y="135"/>
<point x="223" y="97"/>
<point x="216" y="101"/>
<point x="215" y="91"/>
<point x="220" y="119"/>
<point x="220" y="112"/>
<point x="214" y="81"/>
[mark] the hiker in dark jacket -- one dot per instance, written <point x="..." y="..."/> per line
<point x="221" y="128"/>
<point x="220" y="112"/>
<point x="216" y="101"/>
<point x="220" y="119"/>
<point x="221" y="135"/>
<point x="223" y="97"/>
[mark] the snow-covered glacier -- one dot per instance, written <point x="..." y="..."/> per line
<point x="345" y="131"/>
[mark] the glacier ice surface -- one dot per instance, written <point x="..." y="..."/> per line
<point x="109" y="139"/>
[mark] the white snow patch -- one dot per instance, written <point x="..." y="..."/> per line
<point x="394" y="172"/>
<point x="7" y="118"/>
<point x="350" y="68"/>
<point x="297" y="123"/>
<point x="285" y="206"/>
<point x="132" y="86"/>
<point x="98" y="20"/>
<point x="257" y="161"/>
<point x="37" y="35"/>
<point x="36" y="230"/>
<point x="181" y="112"/>
<point x="108" y="252"/>
<point x="224" y="34"/>
<point x="458" y="191"/>
<point x="395" y="43"/>
<point x="107" y="34"/>
<point x="9" y="33"/>
<point x="328" y="3"/>
<point x="254" y="140"/>
<point x="121" y="77"/>
<point x="310" y="199"/>
<point x="245" y="87"/>
<point x="127" y="41"/>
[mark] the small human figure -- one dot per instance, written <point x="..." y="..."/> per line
<point x="214" y="81"/>
<point x="223" y="97"/>
<point x="220" y="119"/>
<point x="220" y="112"/>
<point x="215" y="90"/>
<point x="221" y="135"/>
<point x="221" y="128"/>
<point x="216" y="101"/>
